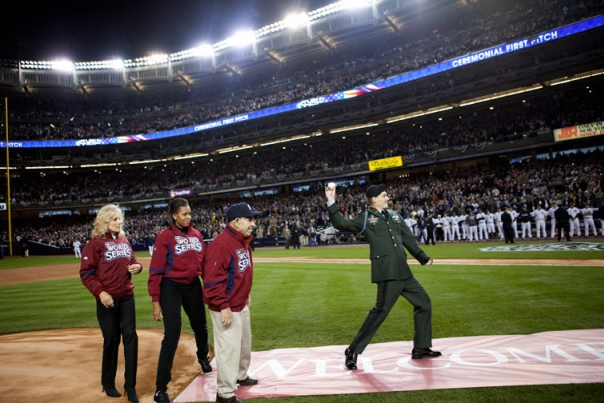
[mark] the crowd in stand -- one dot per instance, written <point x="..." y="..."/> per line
<point x="556" y="110"/>
<point x="473" y="28"/>
<point x="573" y="180"/>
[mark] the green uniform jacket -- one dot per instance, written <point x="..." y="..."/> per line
<point x="386" y="241"/>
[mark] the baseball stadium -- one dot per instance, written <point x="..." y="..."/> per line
<point x="469" y="113"/>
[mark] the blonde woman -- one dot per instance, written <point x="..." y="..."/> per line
<point x="106" y="269"/>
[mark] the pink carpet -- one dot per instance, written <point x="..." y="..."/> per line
<point x="559" y="357"/>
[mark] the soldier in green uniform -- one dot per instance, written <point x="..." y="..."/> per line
<point x="387" y="234"/>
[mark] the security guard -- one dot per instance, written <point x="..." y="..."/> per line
<point x="387" y="234"/>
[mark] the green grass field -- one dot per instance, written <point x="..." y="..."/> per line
<point x="314" y="304"/>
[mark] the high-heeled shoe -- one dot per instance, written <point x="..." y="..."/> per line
<point x="131" y="392"/>
<point x="111" y="391"/>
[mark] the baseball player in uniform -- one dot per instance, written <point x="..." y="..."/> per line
<point x="573" y="212"/>
<point x="539" y="215"/>
<point x="227" y="274"/>
<point x="499" y="224"/>
<point x="446" y="222"/>
<point x="525" y="222"/>
<point x="455" y="227"/>
<point x="481" y="217"/>
<point x="588" y="220"/>
<point x="77" y="245"/>
<point x="552" y="216"/>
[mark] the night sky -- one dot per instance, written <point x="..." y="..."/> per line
<point x="89" y="31"/>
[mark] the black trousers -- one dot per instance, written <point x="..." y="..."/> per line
<point x="118" y="323"/>
<point x="508" y="233"/>
<point x="388" y="293"/>
<point x="430" y="237"/>
<point x="563" y="225"/>
<point x="174" y="296"/>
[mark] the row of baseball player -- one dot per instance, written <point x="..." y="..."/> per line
<point x="485" y="225"/>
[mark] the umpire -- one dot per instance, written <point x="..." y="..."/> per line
<point x="387" y="233"/>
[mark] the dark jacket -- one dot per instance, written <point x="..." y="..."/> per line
<point x="177" y="256"/>
<point x="104" y="266"/>
<point x="228" y="271"/>
<point x="387" y="242"/>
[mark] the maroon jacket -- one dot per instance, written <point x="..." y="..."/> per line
<point x="228" y="271"/>
<point x="104" y="266"/>
<point x="177" y="256"/>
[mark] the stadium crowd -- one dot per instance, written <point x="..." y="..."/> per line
<point x="539" y="115"/>
<point x="575" y="180"/>
<point x="468" y="29"/>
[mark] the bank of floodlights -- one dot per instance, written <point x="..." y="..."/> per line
<point x="62" y="65"/>
<point x="291" y="21"/>
<point x="115" y="64"/>
<point x="337" y="7"/>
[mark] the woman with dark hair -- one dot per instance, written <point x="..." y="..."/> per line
<point x="106" y="269"/>
<point x="174" y="283"/>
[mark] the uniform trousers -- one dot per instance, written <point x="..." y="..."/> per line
<point x="574" y="224"/>
<point x="233" y="349"/>
<point x="540" y="225"/>
<point x="387" y="295"/>
<point x="526" y="230"/>
<point x="588" y="223"/>
<point x="482" y="231"/>
<point x="500" y="230"/>
<point x="454" y="232"/>
<point x="118" y="323"/>
<point x="173" y="296"/>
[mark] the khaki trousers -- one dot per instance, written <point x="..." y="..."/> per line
<point x="233" y="350"/>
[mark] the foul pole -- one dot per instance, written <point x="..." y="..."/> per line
<point x="10" y="234"/>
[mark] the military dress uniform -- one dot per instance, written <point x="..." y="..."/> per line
<point x="388" y="237"/>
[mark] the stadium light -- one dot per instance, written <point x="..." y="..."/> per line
<point x="115" y="64"/>
<point x="286" y="140"/>
<point x="498" y="95"/>
<point x="62" y="65"/>
<point x="295" y="20"/>
<point x="241" y="39"/>
<point x="419" y="113"/>
<point x="231" y="149"/>
<point x="336" y="7"/>
<point x="349" y="128"/>
<point x="204" y="50"/>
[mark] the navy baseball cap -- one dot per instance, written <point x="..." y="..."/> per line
<point x="375" y="190"/>
<point x="240" y="210"/>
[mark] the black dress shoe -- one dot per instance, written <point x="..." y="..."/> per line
<point x="351" y="359"/>
<point x="232" y="399"/>
<point x="206" y="368"/>
<point x="247" y="381"/>
<point x="419" y="353"/>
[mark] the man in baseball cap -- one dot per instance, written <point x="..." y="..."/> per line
<point x="227" y="275"/>
<point x="240" y="210"/>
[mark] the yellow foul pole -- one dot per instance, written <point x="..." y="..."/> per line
<point x="10" y="235"/>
